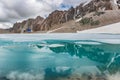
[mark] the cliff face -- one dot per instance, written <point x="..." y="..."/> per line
<point x="59" y="17"/>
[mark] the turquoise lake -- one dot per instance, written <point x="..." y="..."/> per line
<point x="44" y="57"/>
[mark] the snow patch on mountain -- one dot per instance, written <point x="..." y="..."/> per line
<point x="115" y="2"/>
<point x="87" y="2"/>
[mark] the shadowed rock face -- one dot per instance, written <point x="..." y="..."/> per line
<point x="58" y="17"/>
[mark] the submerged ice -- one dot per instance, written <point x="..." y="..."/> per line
<point x="59" y="60"/>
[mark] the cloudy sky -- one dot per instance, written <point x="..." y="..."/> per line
<point x="12" y="11"/>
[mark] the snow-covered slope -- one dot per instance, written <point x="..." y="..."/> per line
<point x="113" y="28"/>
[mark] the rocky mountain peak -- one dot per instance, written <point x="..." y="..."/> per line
<point x="39" y="18"/>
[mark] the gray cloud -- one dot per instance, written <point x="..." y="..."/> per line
<point x="12" y="11"/>
<point x="73" y="2"/>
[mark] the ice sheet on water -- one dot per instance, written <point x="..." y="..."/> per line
<point x="50" y="45"/>
<point x="88" y="43"/>
<point x="110" y="41"/>
<point x="57" y="36"/>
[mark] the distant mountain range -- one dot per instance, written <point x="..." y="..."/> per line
<point x="94" y="13"/>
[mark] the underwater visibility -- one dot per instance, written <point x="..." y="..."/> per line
<point x="59" y="60"/>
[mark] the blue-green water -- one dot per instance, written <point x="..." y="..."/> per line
<point x="54" y="59"/>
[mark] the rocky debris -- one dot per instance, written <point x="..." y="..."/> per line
<point x="85" y="76"/>
<point x="55" y="76"/>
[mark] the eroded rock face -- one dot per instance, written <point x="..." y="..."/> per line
<point x="30" y="23"/>
<point x="58" y="17"/>
<point x="55" y="17"/>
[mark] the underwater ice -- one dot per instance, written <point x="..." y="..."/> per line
<point x="67" y="56"/>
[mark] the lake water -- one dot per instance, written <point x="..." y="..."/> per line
<point x="59" y="57"/>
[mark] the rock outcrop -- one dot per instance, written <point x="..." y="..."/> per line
<point x="23" y="26"/>
<point x="56" y="18"/>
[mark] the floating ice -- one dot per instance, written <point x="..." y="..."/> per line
<point x="56" y="45"/>
<point x="56" y="36"/>
<point x="88" y="43"/>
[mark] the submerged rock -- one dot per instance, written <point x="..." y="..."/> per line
<point x="56" y="73"/>
<point x="4" y="78"/>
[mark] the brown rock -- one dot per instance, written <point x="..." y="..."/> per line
<point x="30" y="23"/>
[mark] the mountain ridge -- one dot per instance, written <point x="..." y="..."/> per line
<point x="57" y="17"/>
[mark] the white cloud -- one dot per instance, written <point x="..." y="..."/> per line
<point x="12" y="11"/>
<point x="5" y="25"/>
